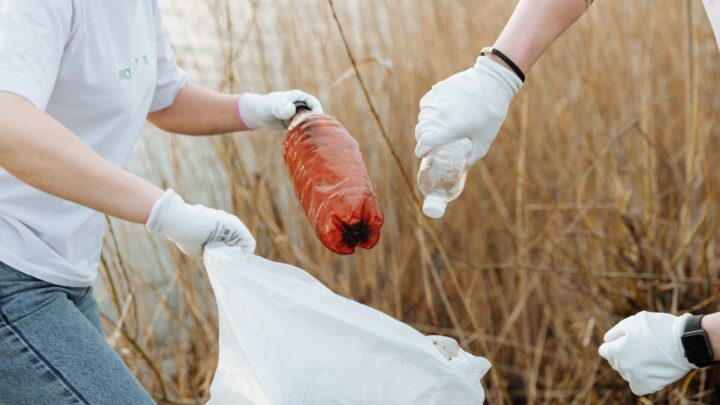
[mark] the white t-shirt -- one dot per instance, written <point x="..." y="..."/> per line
<point x="713" y="10"/>
<point x="98" y="67"/>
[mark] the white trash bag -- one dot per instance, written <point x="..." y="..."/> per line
<point x="287" y="339"/>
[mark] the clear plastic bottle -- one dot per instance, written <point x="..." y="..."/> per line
<point x="442" y="175"/>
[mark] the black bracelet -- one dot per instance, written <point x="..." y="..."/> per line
<point x="505" y="59"/>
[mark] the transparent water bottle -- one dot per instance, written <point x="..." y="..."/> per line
<point x="442" y="175"/>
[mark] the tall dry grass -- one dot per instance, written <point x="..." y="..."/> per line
<point x="599" y="198"/>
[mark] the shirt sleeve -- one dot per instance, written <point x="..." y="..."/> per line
<point x="170" y="78"/>
<point x="33" y="35"/>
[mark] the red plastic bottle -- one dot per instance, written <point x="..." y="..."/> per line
<point x="331" y="182"/>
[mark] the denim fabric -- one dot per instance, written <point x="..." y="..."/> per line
<point x="52" y="348"/>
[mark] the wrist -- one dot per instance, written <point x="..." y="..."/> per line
<point x="711" y="326"/>
<point x="517" y="55"/>
<point x="242" y="99"/>
<point x="157" y="216"/>
<point x="150" y="198"/>
<point x="499" y="61"/>
<point x="505" y="61"/>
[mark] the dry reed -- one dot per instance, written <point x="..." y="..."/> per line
<point x="599" y="198"/>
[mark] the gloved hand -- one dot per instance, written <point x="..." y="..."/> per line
<point x="192" y="227"/>
<point x="645" y="349"/>
<point x="447" y="346"/>
<point x="270" y="110"/>
<point x="470" y="104"/>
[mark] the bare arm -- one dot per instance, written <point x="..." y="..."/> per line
<point x="39" y="151"/>
<point x="534" y="26"/>
<point x="472" y="104"/>
<point x="199" y="111"/>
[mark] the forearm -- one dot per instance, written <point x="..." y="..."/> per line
<point x="39" y="151"/>
<point x="535" y="25"/>
<point x="199" y="111"/>
<point x="711" y="325"/>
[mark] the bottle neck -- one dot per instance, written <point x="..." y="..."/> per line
<point x="301" y="110"/>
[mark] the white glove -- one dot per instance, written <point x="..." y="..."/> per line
<point x="192" y="227"/>
<point x="447" y="346"/>
<point x="470" y="104"/>
<point x="270" y="110"/>
<point x="645" y="349"/>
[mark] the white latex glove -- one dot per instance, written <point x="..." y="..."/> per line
<point x="270" y="110"/>
<point x="447" y="346"/>
<point x="470" y="104"/>
<point x="645" y="349"/>
<point x="191" y="227"/>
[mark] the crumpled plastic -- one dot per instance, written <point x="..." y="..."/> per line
<point x="285" y="338"/>
<point x="331" y="182"/>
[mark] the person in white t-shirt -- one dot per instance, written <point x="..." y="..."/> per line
<point x="649" y="350"/>
<point x="78" y="79"/>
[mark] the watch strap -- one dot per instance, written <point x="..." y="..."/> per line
<point x="705" y="363"/>
<point x="693" y="324"/>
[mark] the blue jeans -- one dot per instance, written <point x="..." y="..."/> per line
<point x="52" y="348"/>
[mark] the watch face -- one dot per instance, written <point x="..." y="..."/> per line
<point x="696" y="346"/>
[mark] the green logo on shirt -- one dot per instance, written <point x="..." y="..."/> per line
<point x="129" y="72"/>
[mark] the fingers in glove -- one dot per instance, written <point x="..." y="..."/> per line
<point x="640" y="389"/>
<point x="428" y="122"/>
<point x="283" y="109"/>
<point x="247" y="241"/>
<point x="249" y="248"/>
<point x="238" y="234"/>
<point x="604" y="351"/>
<point x="190" y="249"/>
<point x="314" y="104"/>
<point x="480" y="147"/>
<point x="612" y="352"/>
<point x="618" y="330"/>
<point x="429" y="134"/>
<point x="310" y="100"/>
<point x="430" y="102"/>
<point x="427" y="114"/>
<point x="427" y="143"/>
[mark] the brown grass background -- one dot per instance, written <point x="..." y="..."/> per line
<point x="599" y="198"/>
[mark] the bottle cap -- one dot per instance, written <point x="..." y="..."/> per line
<point x="434" y="206"/>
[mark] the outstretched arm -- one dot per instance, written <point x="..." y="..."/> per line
<point x="473" y="104"/>
<point x="200" y="111"/>
<point x="40" y="151"/>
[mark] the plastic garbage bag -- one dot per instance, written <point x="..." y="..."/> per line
<point x="287" y="339"/>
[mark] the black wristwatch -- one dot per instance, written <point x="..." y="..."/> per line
<point x="696" y="344"/>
